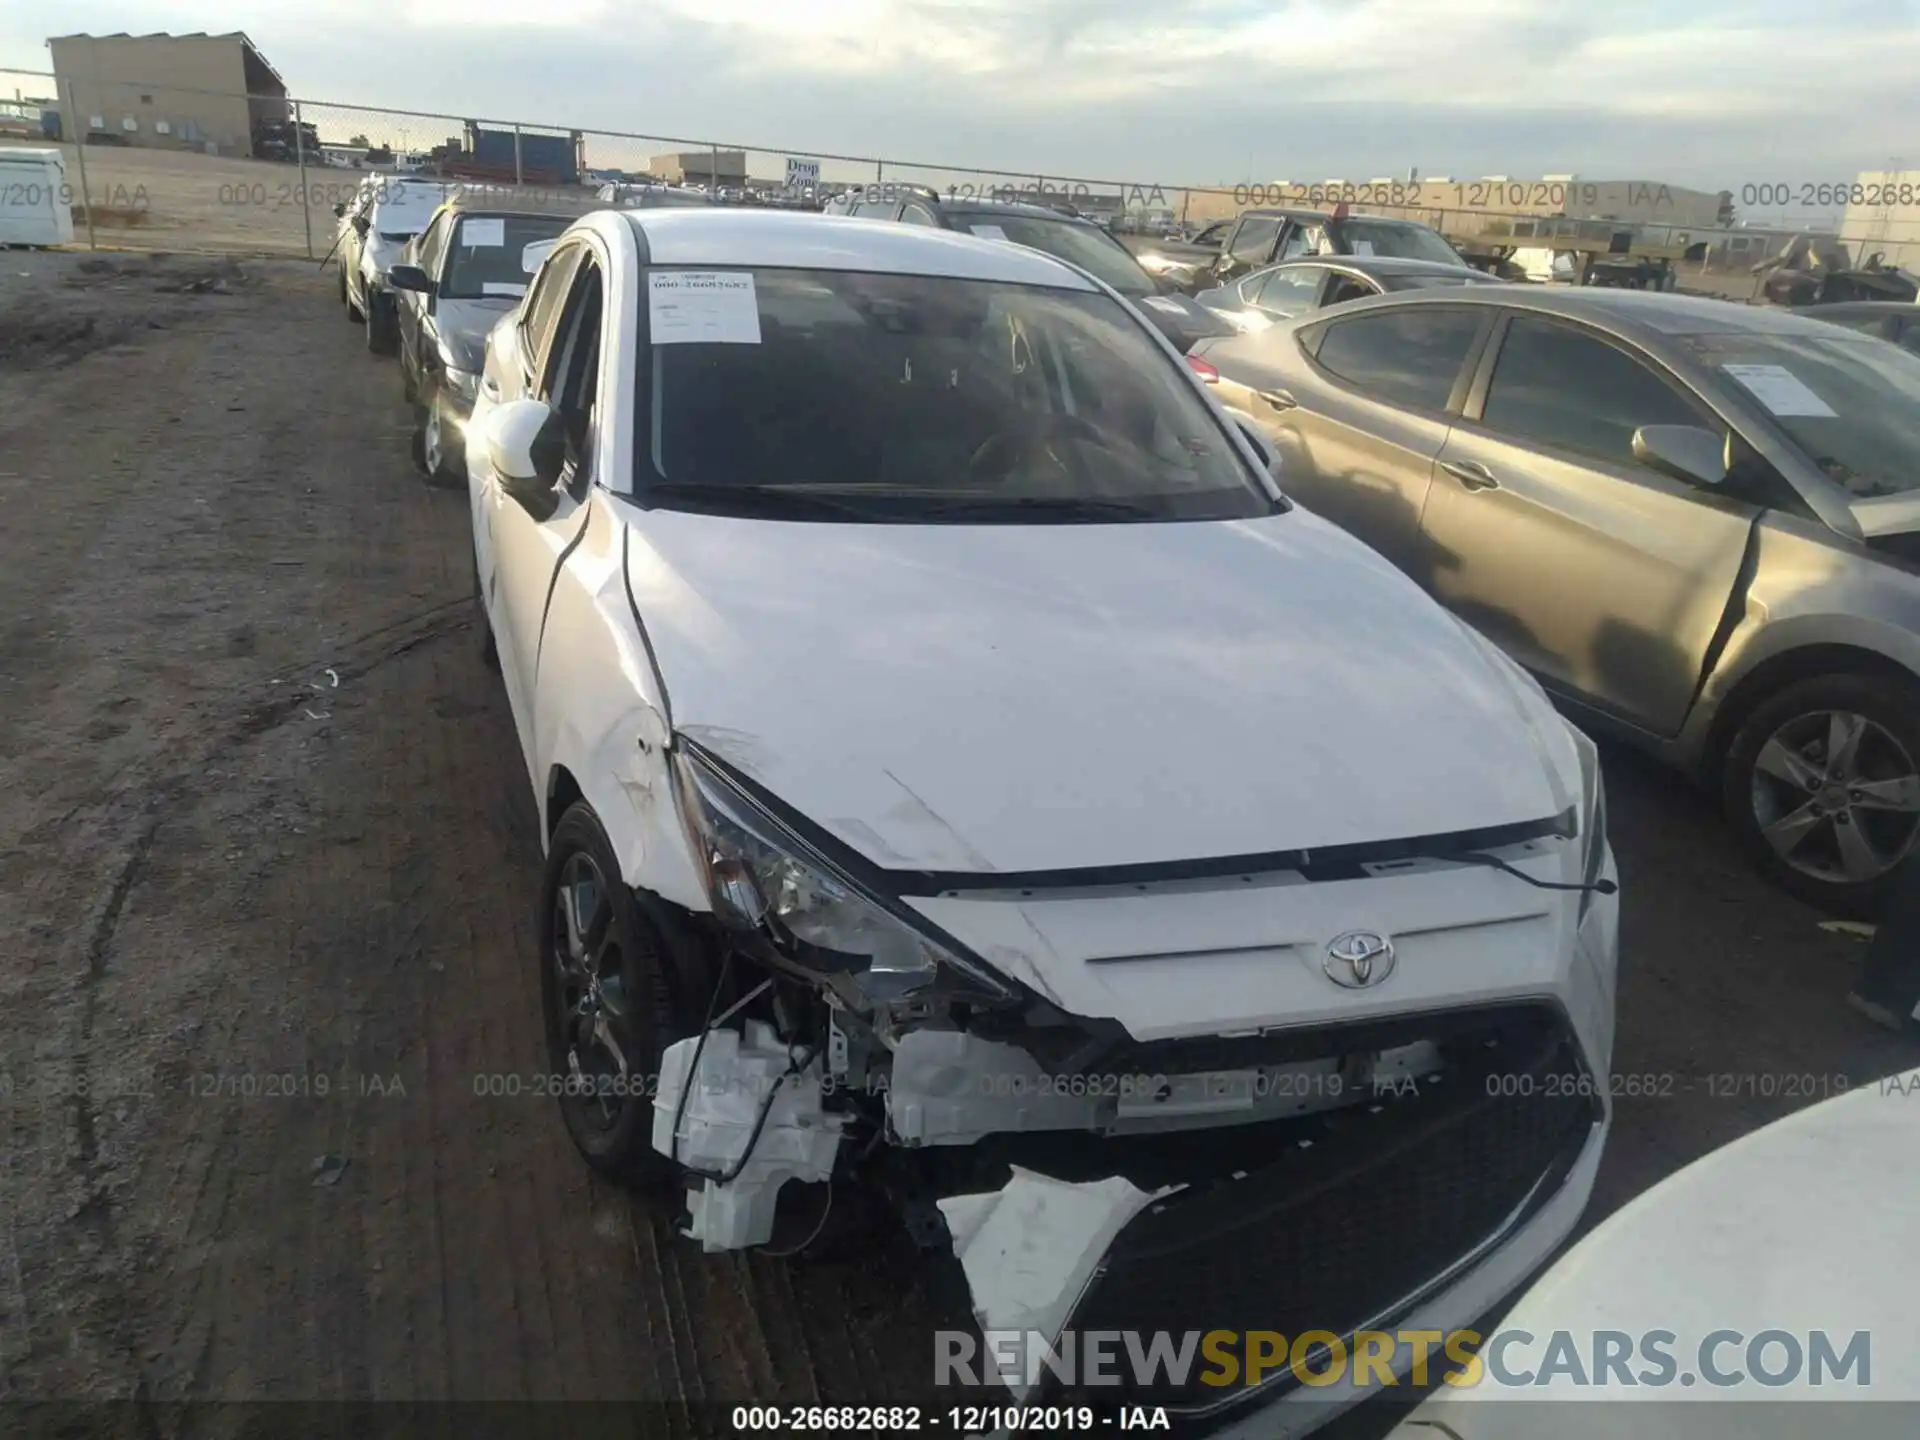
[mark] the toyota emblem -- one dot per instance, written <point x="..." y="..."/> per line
<point x="1358" y="959"/>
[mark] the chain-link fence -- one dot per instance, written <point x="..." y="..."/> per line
<point x="165" y="167"/>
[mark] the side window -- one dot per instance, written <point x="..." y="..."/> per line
<point x="1407" y="357"/>
<point x="1289" y="291"/>
<point x="542" y="305"/>
<point x="1298" y="243"/>
<point x="1558" y="386"/>
<point x="874" y="209"/>
<point x="432" y="244"/>
<point x="917" y="214"/>
<point x="1254" y="238"/>
<point x="570" y="377"/>
<point x="1342" y="288"/>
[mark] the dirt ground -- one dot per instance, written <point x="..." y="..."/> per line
<point x="268" y="867"/>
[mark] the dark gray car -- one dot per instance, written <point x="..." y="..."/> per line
<point x="1697" y="523"/>
<point x="463" y="272"/>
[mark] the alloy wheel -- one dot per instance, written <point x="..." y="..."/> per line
<point x="433" y="442"/>
<point x="1836" y="796"/>
<point x="595" y="1039"/>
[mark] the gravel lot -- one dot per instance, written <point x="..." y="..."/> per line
<point x="263" y="829"/>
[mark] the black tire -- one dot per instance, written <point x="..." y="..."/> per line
<point x="383" y="326"/>
<point x="1781" y="768"/>
<point x="489" y="647"/>
<point x="620" y="968"/>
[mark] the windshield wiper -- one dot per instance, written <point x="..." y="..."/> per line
<point x="1054" y="507"/>
<point x="724" y="496"/>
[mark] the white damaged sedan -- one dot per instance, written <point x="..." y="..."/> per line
<point x="966" y="779"/>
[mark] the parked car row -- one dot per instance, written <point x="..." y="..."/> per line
<point x="1089" y="789"/>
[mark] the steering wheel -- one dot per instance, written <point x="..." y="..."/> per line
<point x="1006" y="451"/>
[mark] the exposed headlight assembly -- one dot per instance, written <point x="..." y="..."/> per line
<point x="763" y="877"/>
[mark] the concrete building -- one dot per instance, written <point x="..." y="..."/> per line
<point x="182" y="92"/>
<point x="701" y="167"/>
<point x="1885" y="217"/>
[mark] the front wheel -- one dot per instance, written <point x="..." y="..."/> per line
<point x="1822" y="784"/>
<point x="436" y="451"/>
<point x="605" y="995"/>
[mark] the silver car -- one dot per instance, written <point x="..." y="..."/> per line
<point x="1697" y="523"/>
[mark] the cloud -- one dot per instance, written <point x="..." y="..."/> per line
<point x="1712" y="95"/>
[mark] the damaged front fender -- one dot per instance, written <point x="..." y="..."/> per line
<point x="600" y="717"/>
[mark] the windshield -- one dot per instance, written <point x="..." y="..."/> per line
<point x="484" y="256"/>
<point x="403" y="214"/>
<point x="815" y="394"/>
<point x="1851" y="403"/>
<point x="1400" y="239"/>
<point x="1094" y="251"/>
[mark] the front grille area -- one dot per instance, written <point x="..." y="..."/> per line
<point x="1344" y="1229"/>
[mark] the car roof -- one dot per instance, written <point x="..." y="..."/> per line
<point x="534" y="202"/>
<point x="805" y="241"/>
<point x="972" y="203"/>
<point x="1650" y="311"/>
<point x="1380" y="265"/>
<point x="1287" y="214"/>
<point x="1863" y="307"/>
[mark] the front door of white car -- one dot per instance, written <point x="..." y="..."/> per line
<point x="521" y="535"/>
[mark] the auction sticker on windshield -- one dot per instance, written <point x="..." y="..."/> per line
<point x="710" y="307"/>
<point x="478" y="233"/>
<point x="1780" y="390"/>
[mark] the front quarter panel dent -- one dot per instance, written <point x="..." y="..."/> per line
<point x="600" y="717"/>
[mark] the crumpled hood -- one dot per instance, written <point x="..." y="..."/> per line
<point x="1011" y="698"/>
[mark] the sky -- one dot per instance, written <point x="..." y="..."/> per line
<point x="1712" y="95"/>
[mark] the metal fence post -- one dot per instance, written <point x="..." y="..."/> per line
<point x="300" y="157"/>
<point x="80" y="155"/>
<point x="518" y="173"/>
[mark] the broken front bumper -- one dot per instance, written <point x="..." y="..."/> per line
<point x="1430" y="1199"/>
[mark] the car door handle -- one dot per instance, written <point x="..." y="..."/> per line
<point x="1278" y="399"/>
<point x="1471" y="474"/>
<point x="491" y="386"/>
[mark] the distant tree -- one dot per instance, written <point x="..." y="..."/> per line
<point x="360" y="140"/>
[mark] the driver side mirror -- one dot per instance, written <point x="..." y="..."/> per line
<point x="362" y="224"/>
<point x="527" y="448"/>
<point x="340" y="210"/>
<point x="1690" y="453"/>
<point x="410" y="277"/>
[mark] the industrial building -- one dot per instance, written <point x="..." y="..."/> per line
<point x="213" y="93"/>
<point x="701" y="167"/>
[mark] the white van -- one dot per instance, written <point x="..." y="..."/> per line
<point x="36" y="203"/>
